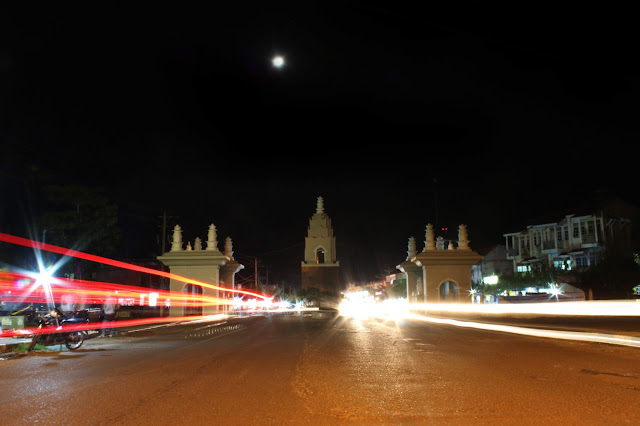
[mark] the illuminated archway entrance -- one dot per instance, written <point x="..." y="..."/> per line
<point x="192" y="305"/>
<point x="449" y="292"/>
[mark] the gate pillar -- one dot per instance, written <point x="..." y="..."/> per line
<point x="197" y="264"/>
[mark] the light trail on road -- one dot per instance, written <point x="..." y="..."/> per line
<point x="590" y="308"/>
<point x="23" y="287"/>
<point x="554" y="334"/>
<point x="37" y="245"/>
<point x="361" y="309"/>
<point x="41" y="287"/>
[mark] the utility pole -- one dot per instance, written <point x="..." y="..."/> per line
<point x="255" y="263"/>
<point x="256" y="279"/>
<point x="164" y="230"/>
<point x="164" y="219"/>
<point x="435" y="200"/>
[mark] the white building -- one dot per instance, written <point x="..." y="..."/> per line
<point x="574" y="242"/>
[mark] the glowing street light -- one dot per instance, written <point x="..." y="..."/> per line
<point x="491" y="279"/>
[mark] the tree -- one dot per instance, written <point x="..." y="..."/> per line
<point x="614" y="277"/>
<point x="315" y="296"/>
<point x="539" y="277"/>
<point x="399" y="288"/>
<point x="83" y="219"/>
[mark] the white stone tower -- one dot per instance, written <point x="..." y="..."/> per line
<point x="320" y="267"/>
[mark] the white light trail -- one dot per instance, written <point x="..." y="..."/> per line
<point x="613" y="339"/>
<point x="588" y="308"/>
<point x="361" y="309"/>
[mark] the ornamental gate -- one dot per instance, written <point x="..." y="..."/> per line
<point x="439" y="274"/>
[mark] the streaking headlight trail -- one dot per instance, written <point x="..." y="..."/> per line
<point x="42" y="287"/>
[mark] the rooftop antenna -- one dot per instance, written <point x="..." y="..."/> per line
<point x="435" y="199"/>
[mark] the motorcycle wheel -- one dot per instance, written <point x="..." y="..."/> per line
<point x="74" y="340"/>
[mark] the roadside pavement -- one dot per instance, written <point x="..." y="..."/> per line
<point x="10" y="345"/>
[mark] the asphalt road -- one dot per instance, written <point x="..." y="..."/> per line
<point x="302" y="370"/>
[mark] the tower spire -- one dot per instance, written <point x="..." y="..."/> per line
<point x="411" y="250"/>
<point x="228" y="248"/>
<point x="176" y="244"/>
<point x="320" y="206"/>
<point x="212" y="238"/>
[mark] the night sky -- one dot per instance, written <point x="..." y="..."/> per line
<point x="397" y="116"/>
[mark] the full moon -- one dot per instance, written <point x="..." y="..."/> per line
<point x="277" y="61"/>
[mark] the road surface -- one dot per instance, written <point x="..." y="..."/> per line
<point x="301" y="370"/>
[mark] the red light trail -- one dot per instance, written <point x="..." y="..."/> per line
<point x="104" y="260"/>
<point x="25" y="287"/>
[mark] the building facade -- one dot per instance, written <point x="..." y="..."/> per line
<point x="573" y="242"/>
<point x="494" y="263"/>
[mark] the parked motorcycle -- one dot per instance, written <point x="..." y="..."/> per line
<point x="58" y="332"/>
<point x="91" y="316"/>
<point x="31" y="314"/>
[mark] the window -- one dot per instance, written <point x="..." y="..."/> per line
<point x="559" y="234"/>
<point x="320" y="256"/>
<point x="576" y="231"/>
<point x="582" y="261"/>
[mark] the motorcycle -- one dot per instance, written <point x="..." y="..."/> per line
<point x="30" y="313"/>
<point x="60" y="330"/>
<point x="93" y="316"/>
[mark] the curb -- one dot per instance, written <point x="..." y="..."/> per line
<point x="7" y="349"/>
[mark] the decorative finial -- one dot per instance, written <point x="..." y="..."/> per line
<point x="228" y="248"/>
<point x="463" y="239"/>
<point x="320" y="206"/>
<point x="176" y="244"/>
<point x="411" y="251"/>
<point x="189" y="246"/>
<point x="212" y="238"/>
<point x="440" y="243"/>
<point x="197" y="245"/>
<point x="429" y="243"/>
